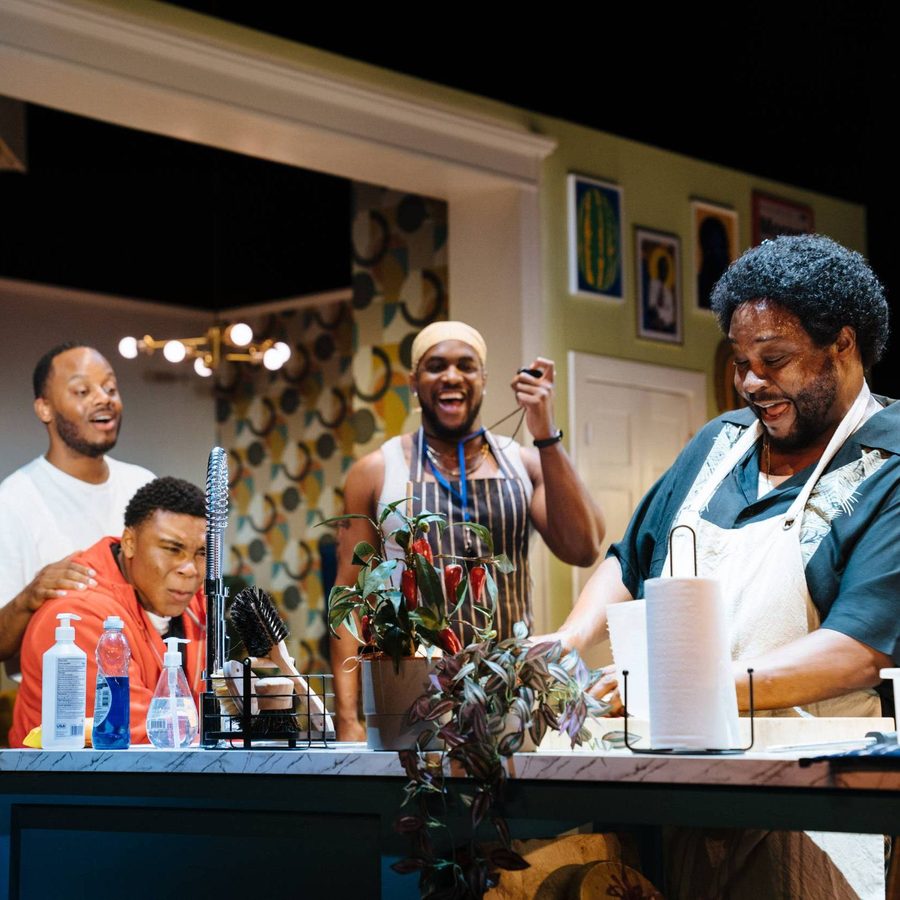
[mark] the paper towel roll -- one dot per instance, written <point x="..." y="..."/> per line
<point x="693" y="701"/>
<point x="628" y="639"/>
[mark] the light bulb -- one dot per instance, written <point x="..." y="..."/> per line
<point x="128" y="347"/>
<point x="272" y="359"/>
<point x="240" y="334"/>
<point x="284" y="349"/>
<point x="201" y="368"/>
<point x="174" y="351"/>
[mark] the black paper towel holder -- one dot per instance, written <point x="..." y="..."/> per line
<point x="729" y="751"/>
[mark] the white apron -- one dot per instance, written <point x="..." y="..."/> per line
<point x="760" y="566"/>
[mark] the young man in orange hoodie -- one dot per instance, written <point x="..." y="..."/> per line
<point x="152" y="579"/>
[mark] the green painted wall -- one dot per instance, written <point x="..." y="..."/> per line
<point x="658" y="188"/>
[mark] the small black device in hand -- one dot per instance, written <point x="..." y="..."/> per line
<point x="534" y="373"/>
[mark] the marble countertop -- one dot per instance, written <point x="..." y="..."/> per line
<point x="749" y="769"/>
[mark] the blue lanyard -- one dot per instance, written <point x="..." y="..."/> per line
<point x="463" y="493"/>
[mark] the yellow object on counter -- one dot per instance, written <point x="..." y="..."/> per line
<point x="33" y="738"/>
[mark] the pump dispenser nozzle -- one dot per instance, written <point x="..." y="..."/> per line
<point x="66" y="631"/>
<point x="172" y="716"/>
<point x="172" y="656"/>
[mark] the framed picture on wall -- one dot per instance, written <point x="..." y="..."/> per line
<point x="715" y="235"/>
<point x="596" y="263"/>
<point x="773" y="216"/>
<point x="658" y="285"/>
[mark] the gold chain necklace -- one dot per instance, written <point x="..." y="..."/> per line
<point x="472" y="467"/>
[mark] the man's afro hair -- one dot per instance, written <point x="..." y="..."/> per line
<point x="824" y="284"/>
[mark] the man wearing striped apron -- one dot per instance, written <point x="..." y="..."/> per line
<point x="795" y="503"/>
<point x="457" y="468"/>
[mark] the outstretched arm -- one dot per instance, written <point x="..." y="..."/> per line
<point x="363" y="485"/>
<point x="586" y="624"/>
<point x="54" y="580"/>
<point x="566" y="517"/>
<point x="818" y="666"/>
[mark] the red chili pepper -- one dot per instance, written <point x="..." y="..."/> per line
<point x="366" y="630"/>
<point x="452" y="577"/>
<point x="477" y="576"/>
<point x="449" y="641"/>
<point x="409" y="588"/>
<point x="422" y="547"/>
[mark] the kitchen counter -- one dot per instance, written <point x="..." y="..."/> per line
<point x="323" y="817"/>
<point x="752" y="769"/>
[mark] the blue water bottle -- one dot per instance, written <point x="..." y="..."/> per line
<point x="112" y="703"/>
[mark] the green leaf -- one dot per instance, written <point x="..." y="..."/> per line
<point x="483" y="534"/>
<point x="504" y="564"/>
<point x="340" y="592"/>
<point x="428" y="581"/>
<point x="362" y="553"/>
<point x="462" y="590"/>
<point x="350" y="622"/>
<point x="423" y="615"/>
<point x="487" y="613"/>
<point x="390" y="508"/>
<point x="491" y="586"/>
<point x="335" y="519"/>
<point x="520" y="631"/>
<point x="395" y="644"/>
<point x="379" y="578"/>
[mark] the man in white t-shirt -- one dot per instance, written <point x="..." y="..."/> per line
<point x="68" y="499"/>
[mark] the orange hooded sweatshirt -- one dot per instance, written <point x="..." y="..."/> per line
<point x="112" y="596"/>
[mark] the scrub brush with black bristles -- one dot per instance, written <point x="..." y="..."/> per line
<point x="263" y="632"/>
<point x="257" y="621"/>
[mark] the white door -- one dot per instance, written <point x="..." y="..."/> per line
<point x="628" y="421"/>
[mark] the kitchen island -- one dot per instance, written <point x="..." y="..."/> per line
<point x="318" y="822"/>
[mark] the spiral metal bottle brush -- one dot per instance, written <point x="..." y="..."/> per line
<point x="216" y="592"/>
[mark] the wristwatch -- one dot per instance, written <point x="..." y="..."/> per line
<point x="549" y="441"/>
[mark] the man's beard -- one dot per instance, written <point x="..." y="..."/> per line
<point x="434" y="427"/>
<point x="811" y="406"/>
<point x="70" y="436"/>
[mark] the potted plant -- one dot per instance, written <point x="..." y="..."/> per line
<point x="400" y="612"/>
<point x="483" y="702"/>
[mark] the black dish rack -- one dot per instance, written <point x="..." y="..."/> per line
<point x="299" y="726"/>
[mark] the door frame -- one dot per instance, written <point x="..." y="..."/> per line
<point x="688" y="384"/>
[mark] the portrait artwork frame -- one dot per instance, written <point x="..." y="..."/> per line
<point x="773" y="216"/>
<point x="596" y="245"/>
<point x="714" y="228"/>
<point x="657" y="256"/>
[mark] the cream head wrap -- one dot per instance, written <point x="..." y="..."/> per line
<point x="437" y="332"/>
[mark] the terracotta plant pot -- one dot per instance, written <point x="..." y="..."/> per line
<point x="387" y="696"/>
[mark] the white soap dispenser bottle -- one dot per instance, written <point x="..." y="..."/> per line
<point x="172" y="717"/>
<point x="63" y="686"/>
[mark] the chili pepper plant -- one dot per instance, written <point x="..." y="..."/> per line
<point x="397" y="606"/>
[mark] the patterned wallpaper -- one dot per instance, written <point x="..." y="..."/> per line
<point x="291" y="435"/>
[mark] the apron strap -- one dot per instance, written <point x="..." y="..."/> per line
<point x="851" y="421"/>
<point x="854" y="418"/>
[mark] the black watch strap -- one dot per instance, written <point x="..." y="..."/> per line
<point x="549" y="441"/>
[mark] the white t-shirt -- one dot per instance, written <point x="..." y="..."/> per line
<point x="46" y="514"/>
